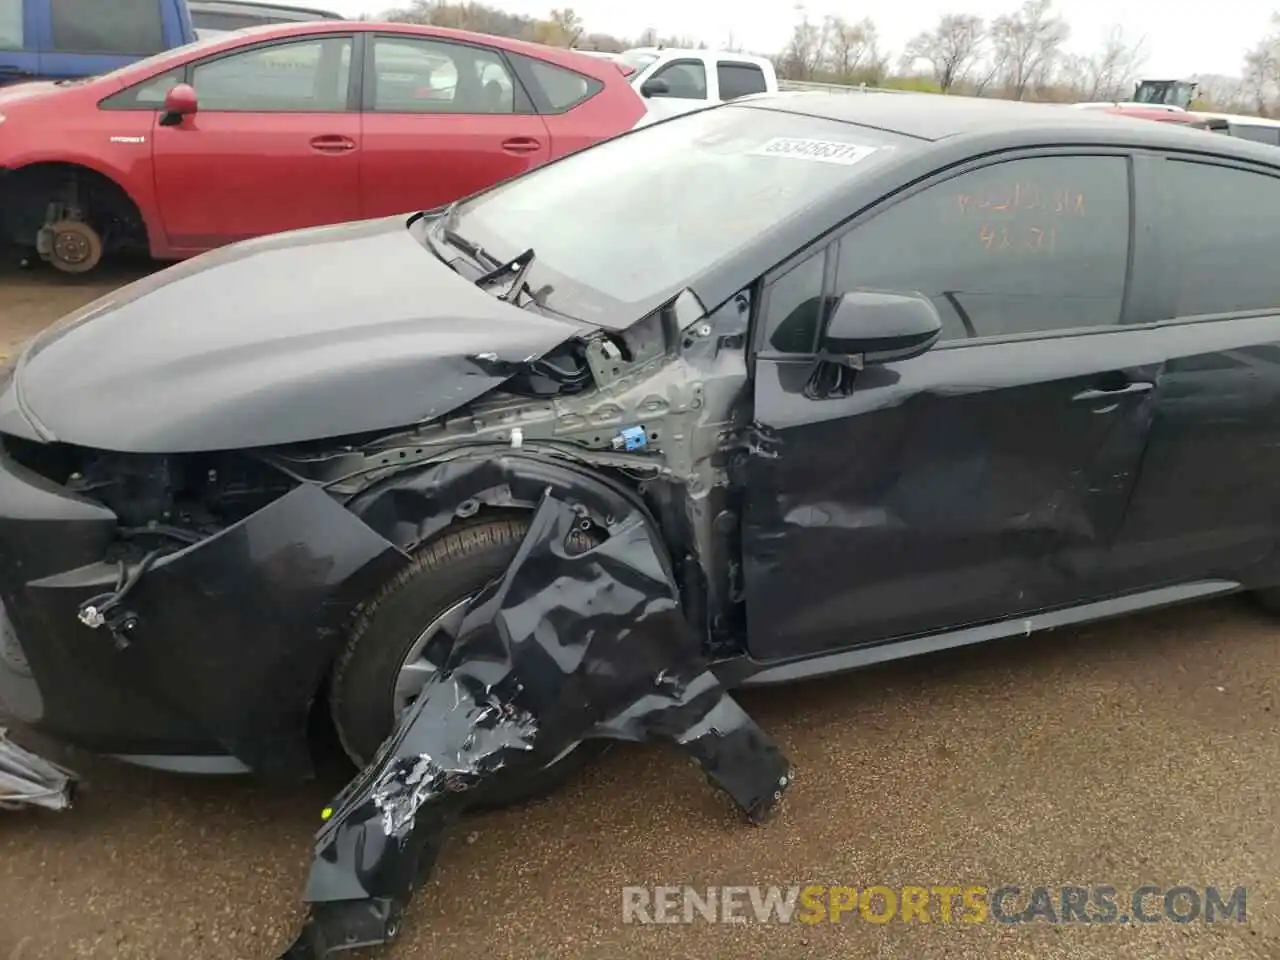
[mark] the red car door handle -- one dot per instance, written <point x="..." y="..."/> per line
<point x="332" y="143"/>
<point x="521" y="145"/>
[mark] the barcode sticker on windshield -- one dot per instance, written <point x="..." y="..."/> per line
<point x="824" y="151"/>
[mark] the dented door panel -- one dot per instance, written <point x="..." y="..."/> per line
<point x="975" y="482"/>
<point x="1205" y="499"/>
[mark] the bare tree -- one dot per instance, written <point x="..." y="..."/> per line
<point x="804" y="52"/>
<point x="1220" y="92"/>
<point x="1262" y="70"/>
<point x="566" y="27"/>
<point x="1027" y="45"/>
<point x="952" y="48"/>
<point x="849" y="46"/>
<point x="1072" y="76"/>
<point x="1110" y="73"/>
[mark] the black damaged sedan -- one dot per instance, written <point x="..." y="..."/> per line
<point x="768" y="391"/>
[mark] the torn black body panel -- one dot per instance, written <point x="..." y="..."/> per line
<point x="412" y="507"/>
<point x="27" y="780"/>
<point x="219" y="648"/>
<point x="566" y="646"/>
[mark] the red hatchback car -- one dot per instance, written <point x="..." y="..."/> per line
<point x="288" y="126"/>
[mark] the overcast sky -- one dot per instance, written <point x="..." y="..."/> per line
<point x="1182" y="37"/>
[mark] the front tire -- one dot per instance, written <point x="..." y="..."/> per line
<point x="388" y="644"/>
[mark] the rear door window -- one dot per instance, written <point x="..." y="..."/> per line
<point x="126" y="27"/>
<point x="740" y="80"/>
<point x="11" y="35"/>
<point x="432" y="76"/>
<point x="1223" y="239"/>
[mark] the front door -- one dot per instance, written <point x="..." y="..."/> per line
<point x="984" y="479"/>
<point x="274" y="146"/>
<point x="442" y="120"/>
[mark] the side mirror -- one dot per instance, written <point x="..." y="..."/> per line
<point x="655" y="87"/>
<point x="179" y="102"/>
<point x="871" y="326"/>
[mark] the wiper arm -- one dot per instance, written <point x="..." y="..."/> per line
<point x="452" y="237"/>
<point x="517" y="268"/>
<point x="473" y="250"/>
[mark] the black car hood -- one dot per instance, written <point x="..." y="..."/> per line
<point x="299" y="336"/>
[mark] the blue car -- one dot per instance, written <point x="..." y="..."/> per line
<point x="67" y="39"/>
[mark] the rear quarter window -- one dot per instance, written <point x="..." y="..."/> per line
<point x="558" y="88"/>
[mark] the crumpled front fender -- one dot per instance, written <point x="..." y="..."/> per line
<point x="234" y="633"/>
<point x="567" y="646"/>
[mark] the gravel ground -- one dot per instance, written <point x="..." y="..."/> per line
<point x="1139" y="751"/>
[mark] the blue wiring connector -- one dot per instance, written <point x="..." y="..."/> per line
<point x="632" y="438"/>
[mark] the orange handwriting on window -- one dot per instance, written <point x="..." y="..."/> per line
<point x="1031" y="239"/>
<point x="1069" y="202"/>
<point x="1022" y="197"/>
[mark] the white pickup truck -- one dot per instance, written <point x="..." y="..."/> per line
<point x="676" y="81"/>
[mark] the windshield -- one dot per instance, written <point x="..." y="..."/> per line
<point x="636" y="59"/>
<point x="637" y="217"/>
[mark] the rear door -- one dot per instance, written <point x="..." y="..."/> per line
<point x="1207" y="503"/>
<point x="578" y="110"/>
<point x="18" y="31"/>
<point x="275" y="144"/>
<point x="89" y="37"/>
<point x="985" y="479"/>
<point x="441" y="120"/>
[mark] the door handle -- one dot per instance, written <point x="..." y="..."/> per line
<point x="332" y="143"/>
<point x="521" y="145"/>
<point x="1122" y="390"/>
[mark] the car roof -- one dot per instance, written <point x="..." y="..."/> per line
<point x="934" y="117"/>
<point x="1128" y="105"/>
<point x="1162" y="116"/>
<point x="249" y="7"/>
<point x="217" y="43"/>
<point x="698" y="53"/>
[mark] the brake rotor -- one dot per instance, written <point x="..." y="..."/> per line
<point x="75" y="247"/>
